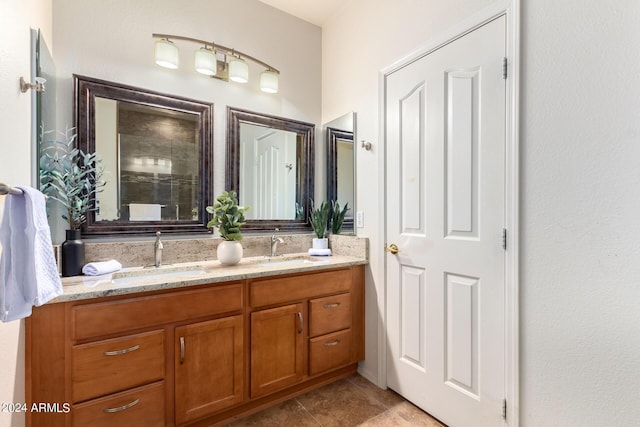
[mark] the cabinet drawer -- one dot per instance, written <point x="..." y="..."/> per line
<point x="117" y="364"/>
<point x="143" y="406"/>
<point x="329" y="314"/>
<point x="329" y="351"/>
<point x="295" y="288"/>
<point x="94" y="320"/>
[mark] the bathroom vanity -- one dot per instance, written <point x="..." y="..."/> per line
<point x="199" y="348"/>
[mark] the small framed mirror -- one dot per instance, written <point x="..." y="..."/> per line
<point x="156" y="152"/>
<point x="341" y="165"/>
<point x="270" y="164"/>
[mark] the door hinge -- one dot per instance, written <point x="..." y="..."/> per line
<point x="504" y="409"/>
<point x="504" y="239"/>
<point x="504" y="68"/>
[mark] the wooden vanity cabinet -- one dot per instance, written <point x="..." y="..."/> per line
<point x="209" y="367"/>
<point x="277" y="358"/>
<point x="195" y="356"/>
<point x="302" y="326"/>
<point x="111" y="360"/>
<point x="329" y="332"/>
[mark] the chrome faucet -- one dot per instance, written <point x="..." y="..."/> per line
<point x="274" y="242"/>
<point x="157" y="250"/>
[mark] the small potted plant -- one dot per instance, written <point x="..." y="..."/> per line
<point x="319" y="222"/>
<point x="72" y="178"/>
<point x="228" y="217"/>
<point x="337" y="216"/>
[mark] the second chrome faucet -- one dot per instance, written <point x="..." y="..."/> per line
<point x="274" y="243"/>
<point x="157" y="250"/>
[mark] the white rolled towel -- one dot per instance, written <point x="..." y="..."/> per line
<point x="104" y="267"/>
<point x="319" y="252"/>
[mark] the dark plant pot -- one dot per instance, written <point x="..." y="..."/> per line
<point x="72" y="254"/>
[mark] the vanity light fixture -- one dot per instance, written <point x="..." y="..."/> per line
<point x="238" y="70"/>
<point x="167" y="54"/>
<point x="269" y="81"/>
<point x="208" y="61"/>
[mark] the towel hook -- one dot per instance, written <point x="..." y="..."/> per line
<point x="366" y="145"/>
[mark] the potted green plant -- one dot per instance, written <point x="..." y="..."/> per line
<point x="320" y="222"/>
<point x="228" y="218"/>
<point x="71" y="178"/>
<point x="337" y="216"/>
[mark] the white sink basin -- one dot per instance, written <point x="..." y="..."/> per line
<point x="152" y="273"/>
<point x="279" y="262"/>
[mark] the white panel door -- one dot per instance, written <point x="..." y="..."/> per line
<point x="445" y="132"/>
<point x="274" y="175"/>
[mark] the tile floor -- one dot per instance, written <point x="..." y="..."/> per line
<point x="353" y="401"/>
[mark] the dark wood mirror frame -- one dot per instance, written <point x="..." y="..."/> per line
<point x="305" y="182"/>
<point x="332" y="137"/>
<point x="86" y="89"/>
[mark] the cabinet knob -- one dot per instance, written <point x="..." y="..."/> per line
<point x="181" y="350"/>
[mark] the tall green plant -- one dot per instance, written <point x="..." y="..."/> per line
<point x="70" y="176"/>
<point x="228" y="217"/>
<point x="337" y="216"/>
<point x="320" y="218"/>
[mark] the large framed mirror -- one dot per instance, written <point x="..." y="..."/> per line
<point x="270" y="164"/>
<point x="339" y="136"/>
<point x="156" y="152"/>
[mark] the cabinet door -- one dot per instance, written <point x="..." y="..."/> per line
<point x="208" y="367"/>
<point x="276" y="348"/>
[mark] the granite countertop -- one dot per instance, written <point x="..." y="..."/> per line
<point x="172" y="276"/>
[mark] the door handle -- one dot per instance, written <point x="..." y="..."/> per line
<point x="392" y="249"/>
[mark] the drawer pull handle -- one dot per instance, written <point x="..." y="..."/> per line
<point x="181" y="350"/>
<point x="301" y="322"/>
<point x="334" y="305"/>
<point x="123" y="351"/>
<point x="331" y="344"/>
<point x="121" y="408"/>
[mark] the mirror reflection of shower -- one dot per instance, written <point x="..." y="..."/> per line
<point x="150" y="164"/>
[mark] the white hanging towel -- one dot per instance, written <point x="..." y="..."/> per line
<point x="144" y="212"/>
<point x="28" y="271"/>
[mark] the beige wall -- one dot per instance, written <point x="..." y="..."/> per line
<point x="580" y="224"/>
<point x="16" y="19"/>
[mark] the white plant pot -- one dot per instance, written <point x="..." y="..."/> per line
<point x="320" y="243"/>
<point x="229" y="252"/>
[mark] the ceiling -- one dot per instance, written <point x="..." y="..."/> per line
<point x="314" y="11"/>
